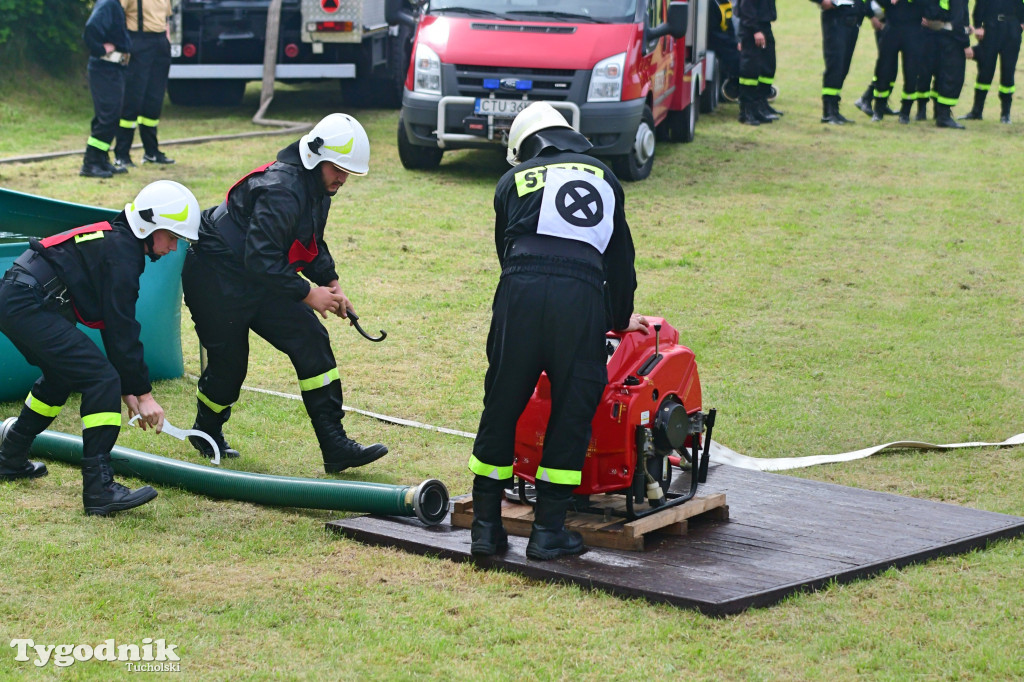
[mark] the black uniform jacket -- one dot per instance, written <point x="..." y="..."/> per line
<point x="101" y="271"/>
<point x="276" y="229"/>
<point x="106" y="24"/>
<point x="755" y="15"/>
<point x="903" y="11"/>
<point x="955" y="12"/>
<point x="517" y="215"/>
<point x="858" y="8"/>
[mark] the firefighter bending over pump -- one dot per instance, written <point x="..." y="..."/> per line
<point x="244" y="274"/>
<point x="567" y="278"/>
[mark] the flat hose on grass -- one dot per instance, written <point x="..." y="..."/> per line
<point x="427" y="501"/>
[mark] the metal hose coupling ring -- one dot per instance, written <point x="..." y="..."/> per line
<point x="430" y="501"/>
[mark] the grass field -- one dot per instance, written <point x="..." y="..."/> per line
<point x="841" y="287"/>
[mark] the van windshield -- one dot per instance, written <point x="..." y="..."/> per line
<point x="600" y="11"/>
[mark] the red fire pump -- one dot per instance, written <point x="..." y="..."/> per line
<point x="650" y="412"/>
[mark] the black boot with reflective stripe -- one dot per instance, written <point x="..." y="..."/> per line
<point x="487" y="533"/>
<point x="102" y="495"/>
<point x="549" y="538"/>
<point x="211" y="423"/>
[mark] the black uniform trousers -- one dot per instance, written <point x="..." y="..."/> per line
<point x="543" y="321"/>
<point x="145" y="84"/>
<point x="950" y="63"/>
<point x="106" y="84"/>
<point x="893" y="40"/>
<point x="929" y="64"/>
<point x="838" y="39"/>
<point x="1002" y="41"/>
<point x="757" y="65"/>
<point x="70" y="362"/>
<point x="225" y="307"/>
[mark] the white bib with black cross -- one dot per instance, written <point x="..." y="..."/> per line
<point x="577" y="205"/>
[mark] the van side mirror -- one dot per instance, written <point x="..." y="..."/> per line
<point x="678" y="19"/>
<point x="397" y="12"/>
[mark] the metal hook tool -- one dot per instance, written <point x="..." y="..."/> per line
<point x="355" y="322"/>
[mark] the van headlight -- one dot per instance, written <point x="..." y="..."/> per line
<point x="606" y="79"/>
<point x="426" y="71"/>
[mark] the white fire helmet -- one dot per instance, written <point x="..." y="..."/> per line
<point x="337" y="139"/>
<point x="164" y="205"/>
<point x="536" y="117"/>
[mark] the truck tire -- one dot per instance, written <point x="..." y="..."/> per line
<point x="682" y="125"/>
<point x="709" y="98"/>
<point x="197" y="93"/>
<point x="637" y="164"/>
<point x="415" y="157"/>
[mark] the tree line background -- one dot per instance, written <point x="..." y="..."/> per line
<point x="44" y="32"/>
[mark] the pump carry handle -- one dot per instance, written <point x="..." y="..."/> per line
<point x="355" y="322"/>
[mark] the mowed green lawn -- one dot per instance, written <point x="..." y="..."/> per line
<point x="841" y="287"/>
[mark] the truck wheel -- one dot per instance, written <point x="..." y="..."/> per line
<point x="682" y="125"/>
<point x="709" y="98"/>
<point x="637" y="164"/>
<point x="415" y="157"/>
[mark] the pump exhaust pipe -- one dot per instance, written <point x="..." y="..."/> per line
<point x="427" y="501"/>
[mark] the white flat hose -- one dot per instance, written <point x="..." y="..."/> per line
<point x="182" y="434"/>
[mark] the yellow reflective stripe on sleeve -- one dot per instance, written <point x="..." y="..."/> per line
<point x="99" y="144"/>
<point x="90" y="421"/>
<point x="39" y="407"/>
<point x="151" y="122"/>
<point x="209" y="403"/>
<point x="489" y="470"/>
<point x="88" y="236"/>
<point x="532" y="179"/>
<point x="318" y="381"/>
<point x="559" y="476"/>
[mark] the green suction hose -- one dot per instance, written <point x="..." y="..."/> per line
<point x="427" y="501"/>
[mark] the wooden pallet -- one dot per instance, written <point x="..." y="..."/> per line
<point x="604" y="530"/>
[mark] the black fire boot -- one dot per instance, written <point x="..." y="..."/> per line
<point x="211" y="423"/>
<point x="14" y="462"/>
<point x="488" y="535"/>
<point x="764" y="115"/>
<point x="746" y="117"/>
<point x="944" y="117"/>
<point x="1005" y="99"/>
<point x="979" y="105"/>
<point x="94" y="164"/>
<point x="549" y="538"/>
<point x="905" y="107"/>
<point x="880" y="108"/>
<point x="325" y="408"/>
<point x="830" y="111"/>
<point x="864" y="101"/>
<point x="115" y="169"/>
<point x="764" y="91"/>
<point x="922" y="110"/>
<point x="102" y="495"/>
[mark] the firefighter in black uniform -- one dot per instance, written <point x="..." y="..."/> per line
<point x="904" y="34"/>
<point x="997" y="26"/>
<point x="952" y="31"/>
<point x="244" y="274"/>
<point x="757" y="60"/>
<point x="145" y="80"/>
<point x="567" y="277"/>
<point x="840" y="25"/>
<point x="106" y="37"/>
<point x="723" y="42"/>
<point x="877" y="18"/>
<point x="90" y="275"/>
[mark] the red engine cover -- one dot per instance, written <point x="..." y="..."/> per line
<point x="611" y="455"/>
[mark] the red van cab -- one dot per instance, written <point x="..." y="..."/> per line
<point x="622" y="72"/>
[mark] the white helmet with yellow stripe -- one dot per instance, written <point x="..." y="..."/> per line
<point x="337" y="139"/>
<point x="164" y="205"/>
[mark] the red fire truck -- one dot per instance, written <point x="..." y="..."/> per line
<point x="622" y="72"/>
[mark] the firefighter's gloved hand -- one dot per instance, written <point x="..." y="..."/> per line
<point x="325" y="300"/>
<point x="149" y="411"/>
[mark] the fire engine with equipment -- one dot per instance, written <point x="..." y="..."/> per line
<point x="622" y="72"/>
<point x="218" y="45"/>
<point x="649" y="418"/>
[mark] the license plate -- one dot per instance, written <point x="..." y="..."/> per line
<point x="506" y="108"/>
